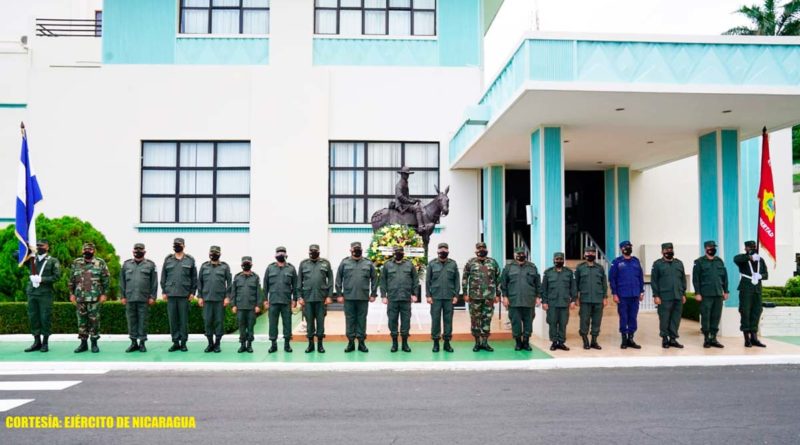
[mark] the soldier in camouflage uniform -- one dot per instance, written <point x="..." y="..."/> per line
<point x="138" y="281"/>
<point x="520" y="285"/>
<point x="442" y="284"/>
<point x="399" y="288"/>
<point x="753" y="270"/>
<point x="246" y="299"/>
<point x="480" y="286"/>
<point x="280" y="290"/>
<point x="559" y="294"/>
<point x="213" y="282"/>
<point x="40" y="295"/>
<point x="178" y="286"/>
<point x="88" y="283"/>
<point x="356" y="287"/>
<point x="315" y="285"/>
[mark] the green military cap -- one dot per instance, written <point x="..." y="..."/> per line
<point x="88" y="246"/>
<point x="280" y="249"/>
<point x="355" y="244"/>
<point x="710" y="243"/>
<point x="590" y="249"/>
<point x="665" y="246"/>
<point x="750" y="244"/>
<point x="480" y="245"/>
<point x="178" y="241"/>
<point x="519" y="249"/>
<point x="443" y="246"/>
<point x="313" y="247"/>
<point x="246" y="259"/>
<point x="42" y="242"/>
<point x="398" y="248"/>
<point x="139" y="246"/>
<point x="558" y="255"/>
<point x="214" y="249"/>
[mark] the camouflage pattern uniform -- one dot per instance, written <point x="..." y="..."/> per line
<point x="480" y="283"/>
<point x="88" y="280"/>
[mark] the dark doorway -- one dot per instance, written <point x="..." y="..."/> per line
<point x="518" y="196"/>
<point x="584" y="209"/>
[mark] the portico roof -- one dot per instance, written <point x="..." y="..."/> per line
<point x="630" y="100"/>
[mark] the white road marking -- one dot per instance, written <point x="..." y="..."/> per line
<point x="9" y="404"/>
<point x="53" y="371"/>
<point x="37" y="385"/>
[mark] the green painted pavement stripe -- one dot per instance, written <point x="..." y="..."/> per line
<point x="786" y="339"/>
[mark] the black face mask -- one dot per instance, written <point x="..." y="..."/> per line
<point x="88" y="254"/>
<point x="313" y="255"/>
<point x="398" y="256"/>
<point x="138" y="254"/>
<point x="41" y="251"/>
<point x="177" y="248"/>
<point x="711" y="252"/>
<point x="559" y="264"/>
<point x="443" y="255"/>
<point x="246" y="266"/>
<point x="749" y="252"/>
<point x="590" y="258"/>
<point x="280" y="258"/>
<point x="482" y="253"/>
<point x="627" y="250"/>
<point x="356" y="253"/>
<point x="669" y="255"/>
<point x="214" y="257"/>
<point x="521" y="258"/>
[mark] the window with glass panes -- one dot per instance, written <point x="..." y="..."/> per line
<point x="224" y="17"/>
<point x="195" y="182"/>
<point x="363" y="176"/>
<point x="375" y="17"/>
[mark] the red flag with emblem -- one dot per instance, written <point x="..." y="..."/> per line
<point x="766" y="201"/>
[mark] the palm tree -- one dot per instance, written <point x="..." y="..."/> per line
<point x="766" y="21"/>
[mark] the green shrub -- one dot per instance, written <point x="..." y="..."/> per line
<point x="14" y="318"/>
<point x="771" y="292"/>
<point x="66" y="236"/>
<point x="691" y="309"/>
<point x="779" y="289"/>
<point x="783" y="301"/>
<point x="792" y="288"/>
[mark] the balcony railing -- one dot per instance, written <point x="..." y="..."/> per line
<point x="69" y="28"/>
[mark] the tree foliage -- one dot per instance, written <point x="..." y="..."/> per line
<point x="767" y="20"/>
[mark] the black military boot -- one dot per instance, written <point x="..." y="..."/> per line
<point x="594" y="344"/>
<point x="406" y="348"/>
<point x="362" y="345"/>
<point x="485" y="345"/>
<point x="394" y="344"/>
<point x="631" y="343"/>
<point x="36" y="346"/>
<point x="249" y="346"/>
<point x="518" y="343"/>
<point x="706" y="340"/>
<point x="351" y="345"/>
<point x="673" y="342"/>
<point x="753" y="339"/>
<point x="287" y="347"/>
<point x="210" y="347"/>
<point x="447" y="347"/>
<point x="553" y="346"/>
<point x="562" y="346"/>
<point x="477" y="346"/>
<point x="142" y="347"/>
<point x="624" y="344"/>
<point x="273" y="347"/>
<point x="183" y="347"/>
<point x="665" y="342"/>
<point x="133" y="347"/>
<point x="45" y="346"/>
<point x="320" y="348"/>
<point x="83" y="347"/>
<point x="242" y="346"/>
<point x="526" y="344"/>
<point x="713" y="342"/>
<point x="585" y="342"/>
<point x="95" y="349"/>
<point x="175" y="346"/>
<point x="217" y="347"/>
<point x="435" y="345"/>
<point x="311" y="347"/>
<point x="747" y="342"/>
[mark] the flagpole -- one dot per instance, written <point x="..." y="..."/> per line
<point x="758" y="213"/>
<point x="31" y="258"/>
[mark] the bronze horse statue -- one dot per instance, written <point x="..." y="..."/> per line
<point x="431" y="213"/>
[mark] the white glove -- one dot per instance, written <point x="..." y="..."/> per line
<point x="755" y="257"/>
<point x="35" y="280"/>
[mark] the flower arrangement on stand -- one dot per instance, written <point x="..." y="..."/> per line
<point x="396" y="235"/>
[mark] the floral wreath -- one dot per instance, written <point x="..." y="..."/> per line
<point x="396" y="235"/>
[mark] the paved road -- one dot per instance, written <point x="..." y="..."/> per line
<point x="732" y="405"/>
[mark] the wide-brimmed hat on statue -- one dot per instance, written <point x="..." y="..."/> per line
<point x="406" y="170"/>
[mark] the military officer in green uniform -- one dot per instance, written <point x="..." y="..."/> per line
<point x="356" y="287"/>
<point x="246" y="299"/>
<point x="668" y="282"/>
<point x="88" y="283"/>
<point x="315" y="286"/>
<point x="559" y="293"/>
<point x="280" y="288"/>
<point x="213" y="283"/>
<point x="138" y="282"/>
<point x="178" y="286"/>
<point x="753" y="270"/>
<point x="479" y="283"/>
<point x="710" y="280"/>
<point x="45" y="270"/>
<point x="520" y="285"/>
<point x="442" y="286"/>
<point x="399" y="288"/>
<point x="592" y="285"/>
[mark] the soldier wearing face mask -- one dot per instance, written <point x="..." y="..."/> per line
<point x="626" y="279"/>
<point x="590" y="278"/>
<point x="88" y="283"/>
<point x="753" y="271"/>
<point x="559" y="294"/>
<point x="710" y="280"/>
<point x="315" y="286"/>
<point x="178" y="286"/>
<point x="442" y="285"/>
<point x="138" y="282"/>
<point x="213" y="283"/>
<point x="520" y="285"/>
<point x="399" y="286"/>
<point x="668" y="281"/>
<point x="45" y="270"/>
<point x="356" y="287"/>
<point x="246" y="299"/>
<point x="280" y="290"/>
<point x="480" y="283"/>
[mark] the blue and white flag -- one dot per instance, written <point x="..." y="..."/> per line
<point x="28" y="195"/>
